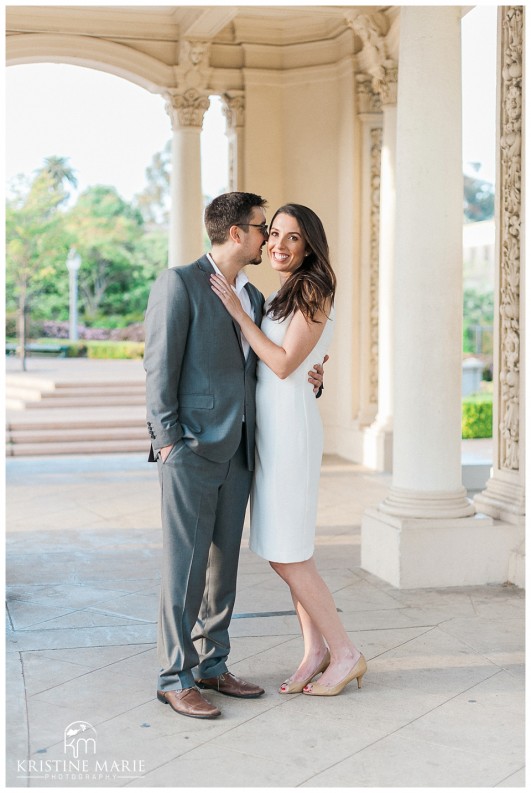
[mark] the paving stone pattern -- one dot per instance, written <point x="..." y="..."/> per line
<point x="442" y="704"/>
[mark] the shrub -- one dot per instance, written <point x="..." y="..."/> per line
<point x="112" y="321"/>
<point x="476" y="421"/>
<point x="487" y="373"/>
<point x="55" y="329"/>
<point x="115" y="349"/>
<point x="133" y="332"/>
<point x="76" y="349"/>
<point x="86" y="348"/>
<point x="95" y="334"/>
<point x="11" y="323"/>
<point x="51" y="329"/>
<point x="34" y="327"/>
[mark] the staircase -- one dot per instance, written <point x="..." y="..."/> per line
<point x="47" y="415"/>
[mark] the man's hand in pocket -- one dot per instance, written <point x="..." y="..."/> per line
<point x="165" y="451"/>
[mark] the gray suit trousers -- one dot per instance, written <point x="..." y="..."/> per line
<point x="203" y="510"/>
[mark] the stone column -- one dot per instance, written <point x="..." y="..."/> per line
<point x="421" y="534"/>
<point x="234" y="109"/>
<point x="186" y="106"/>
<point x="380" y="68"/>
<point x="503" y="497"/>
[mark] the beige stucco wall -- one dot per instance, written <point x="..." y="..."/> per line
<point x="300" y="146"/>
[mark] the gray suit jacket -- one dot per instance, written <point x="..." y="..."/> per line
<point x="199" y="386"/>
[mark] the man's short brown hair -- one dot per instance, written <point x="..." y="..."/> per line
<point x="227" y="210"/>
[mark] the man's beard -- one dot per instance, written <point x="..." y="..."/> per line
<point x="258" y="259"/>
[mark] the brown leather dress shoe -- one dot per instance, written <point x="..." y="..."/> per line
<point x="189" y="702"/>
<point x="231" y="685"/>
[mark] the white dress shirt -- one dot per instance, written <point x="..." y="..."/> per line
<point x="243" y="297"/>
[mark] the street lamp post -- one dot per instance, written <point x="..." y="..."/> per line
<point x="73" y="263"/>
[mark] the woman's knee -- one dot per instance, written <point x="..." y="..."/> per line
<point x="278" y="567"/>
<point x="289" y="570"/>
<point x="283" y="569"/>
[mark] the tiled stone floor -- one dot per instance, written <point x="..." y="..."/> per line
<point x="442" y="704"/>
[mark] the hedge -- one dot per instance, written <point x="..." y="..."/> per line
<point x="115" y="349"/>
<point x="99" y="349"/>
<point x="476" y="417"/>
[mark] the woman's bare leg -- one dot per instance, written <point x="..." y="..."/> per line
<point x="320" y="616"/>
<point x="315" y="647"/>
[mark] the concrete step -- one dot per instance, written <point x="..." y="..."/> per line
<point x="76" y="402"/>
<point x="43" y="383"/>
<point x="69" y="435"/>
<point x="33" y="393"/>
<point x="25" y="393"/>
<point x="77" y="447"/>
<point x="67" y="424"/>
<point x="75" y="406"/>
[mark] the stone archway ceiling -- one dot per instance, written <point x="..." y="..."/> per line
<point x="240" y="36"/>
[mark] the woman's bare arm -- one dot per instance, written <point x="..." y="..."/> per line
<point x="301" y="336"/>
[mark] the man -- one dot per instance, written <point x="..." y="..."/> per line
<point x="200" y="390"/>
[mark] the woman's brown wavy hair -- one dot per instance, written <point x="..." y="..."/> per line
<point x="311" y="288"/>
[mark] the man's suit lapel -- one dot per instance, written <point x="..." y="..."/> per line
<point x="254" y="296"/>
<point x="257" y="308"/>
<point x="256" y="304"/>
<point x="204" y="264"/>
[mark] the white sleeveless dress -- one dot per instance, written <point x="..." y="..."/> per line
<point x="289" y="448"/>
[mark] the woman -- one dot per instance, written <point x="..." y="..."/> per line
<point x="297" y="327"/>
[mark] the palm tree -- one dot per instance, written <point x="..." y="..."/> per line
<point x="59" y="169"/>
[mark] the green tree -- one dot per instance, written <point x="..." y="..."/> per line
<point x="153" y="202"/>
<point x="36" y="244"/>
<point x="151" y="255"/>
<point x="478" y="316"/>
<point x="60" y="171"/>
<point x="106" y="231"/>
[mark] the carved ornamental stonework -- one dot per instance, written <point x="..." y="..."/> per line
<point x="234" y="109"/>
<point x="385" y="82"/>
<point x="187" y="103"/>
<point x="186" y="109"/>
<point x="372" y="30"/>
<point x="369" y="108"/>
<point x="374" y="59"/>
<point x="368" y="100"/>
<point x="376" y="136"/>
<point x="510" y="224"/>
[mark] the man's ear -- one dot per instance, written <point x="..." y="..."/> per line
<point x="235" y="234"/>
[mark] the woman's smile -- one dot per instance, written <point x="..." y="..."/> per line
<point x="286" y="246"/>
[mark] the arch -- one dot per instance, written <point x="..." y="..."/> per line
<point x="106" y="56"/>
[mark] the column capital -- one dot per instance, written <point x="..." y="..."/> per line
<point x="186" y="109"/>
<point x="375" y="57"/>
<point x="385" y="81"/>
<point x="368" y="100"/>
<point x="234" y="108"/>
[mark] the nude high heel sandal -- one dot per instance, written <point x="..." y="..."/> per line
<point x="357" y="671"/>
<point x="296" y="688"/>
